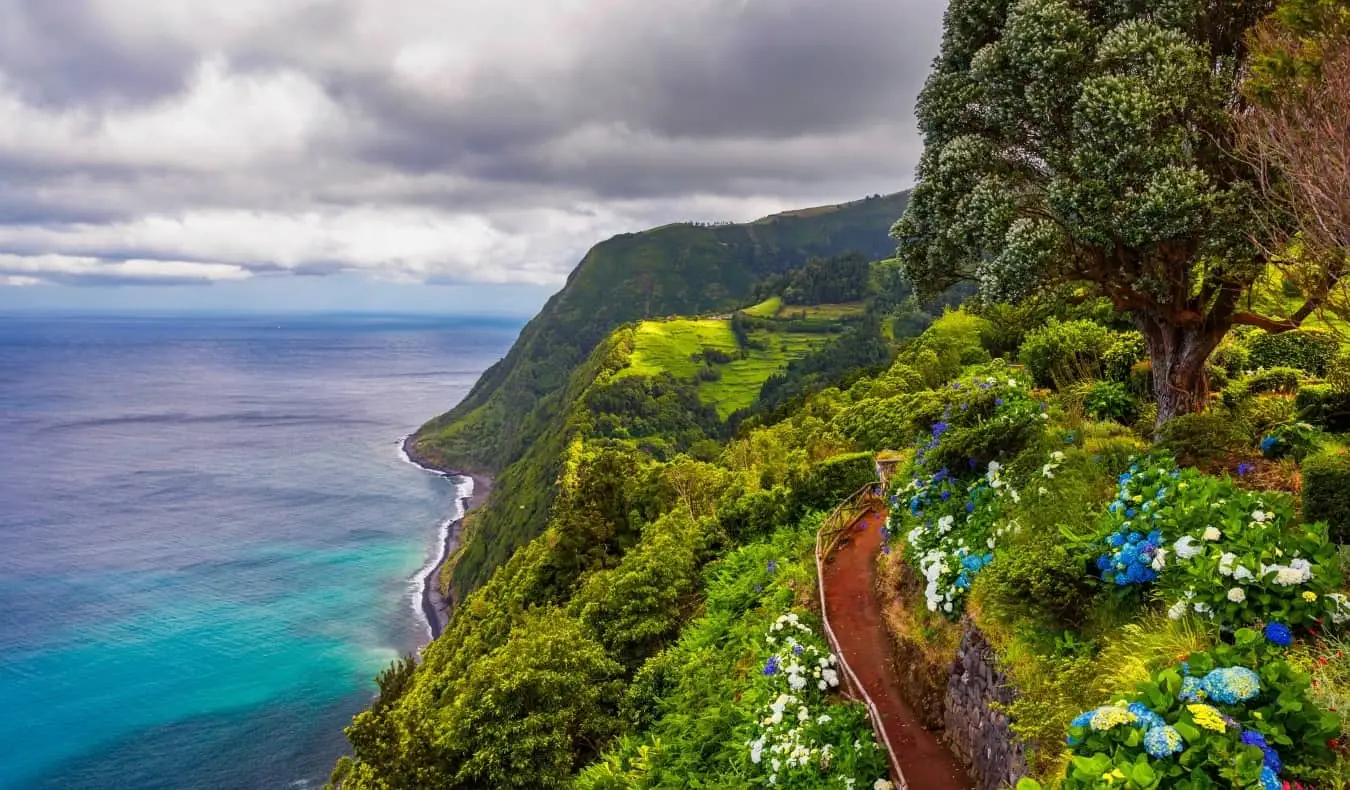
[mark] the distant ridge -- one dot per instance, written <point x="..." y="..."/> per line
<point x="503" y="426"/>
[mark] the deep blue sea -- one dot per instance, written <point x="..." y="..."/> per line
<point x="209" y="544"/>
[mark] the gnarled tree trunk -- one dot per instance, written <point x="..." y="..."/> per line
<point x="1178" y="355"/>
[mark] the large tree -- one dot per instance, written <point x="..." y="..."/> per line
<point x="1091" y="142"/>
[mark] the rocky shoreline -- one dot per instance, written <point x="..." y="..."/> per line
<point x="436" y="608"/>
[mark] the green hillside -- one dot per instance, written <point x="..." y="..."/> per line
<point x="727" y="384"/>
<point x="680" y="269"/>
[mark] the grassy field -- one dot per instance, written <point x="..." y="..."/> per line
<point x="773" y="307"/>
<point x="668" y="346"/>
<point x="765" y="309"/>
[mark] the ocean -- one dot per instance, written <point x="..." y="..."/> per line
<point x="209" y="543"/>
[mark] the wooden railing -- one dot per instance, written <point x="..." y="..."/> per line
<point x="837" y="523"/>
<point x="835" y="526"/>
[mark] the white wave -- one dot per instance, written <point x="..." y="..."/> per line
<point x="418" y="584"/>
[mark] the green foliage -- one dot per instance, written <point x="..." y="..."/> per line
<point x="1264" y="413"/>
<point x="1310" y="351"/>
<point x="1326" y="491"/>
<point x="1338" y="373"/>
<point x="1127" y="350"/>
<point x="1070" y="143"/>
<point x="1202" y="437"/>
<point x="1141" y="379"/>
<point x="823" y="485"/>
<point x="1111" y="401"/>
<point x="1322" y="405"/>
<point x="949" y="343"/>
<point x="834" y="280"/>
<point x="1061" y="353"/>
<point x="1282" y="380"/>
<point x="1232" y="356"/>
<point x="1291" y="440"/>
<point x="1039" y="577"/>
<point x="1174" y="731"/>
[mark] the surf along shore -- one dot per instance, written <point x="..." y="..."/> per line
<point x="436" y="607"/>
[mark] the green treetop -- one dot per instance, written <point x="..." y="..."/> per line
<point x="1089" y="142"/>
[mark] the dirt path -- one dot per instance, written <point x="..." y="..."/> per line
<point x="855" y="614"/>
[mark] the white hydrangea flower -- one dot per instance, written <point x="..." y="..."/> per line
<point x="1226" y="563"/>
<point x="1237" y="595"/>
<point x="1177" y="610"/>
<point x="1260" y="516"/>
<point x="1159" y="559"/>
<point x="1186" y="547"/>
<point x="1211" y="534"/>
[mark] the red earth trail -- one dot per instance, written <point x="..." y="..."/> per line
<point x="855" y="614"/>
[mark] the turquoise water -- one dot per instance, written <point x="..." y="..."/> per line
<point x="209" y="543"/>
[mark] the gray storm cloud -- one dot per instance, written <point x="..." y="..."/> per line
<point x="428" y="140"/>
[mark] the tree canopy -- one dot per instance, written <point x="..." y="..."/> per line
<point x="1091" y="142"/>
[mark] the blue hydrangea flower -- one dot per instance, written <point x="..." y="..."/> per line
<point x="1191" y="690"/>
<point x="1279" y="633"/>
<point x="771" y="667"/>
<point x="1231" y="685"/>
<point x="1269" y="779"/>
<point x="1273" y="761"/>
<point x="1244" y="469"/>
<point x="1163" y="741"/>
<point x="1147" y="718"/>
<point x="1268" y="443"/>
<point x="1252" y="738"/>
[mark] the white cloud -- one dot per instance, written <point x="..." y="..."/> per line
<point x="418" y="140"/>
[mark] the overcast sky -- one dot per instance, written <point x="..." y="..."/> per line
<point x="330" y="154"/>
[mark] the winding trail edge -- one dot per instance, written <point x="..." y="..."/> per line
<point x="846" y="582"/>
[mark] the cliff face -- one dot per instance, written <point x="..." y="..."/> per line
<point x="510" y="423"/>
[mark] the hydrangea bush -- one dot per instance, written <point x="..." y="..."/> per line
<point x="1236" y="716"/>
<point x="798" y="740"/>
<point x="1218" y="550"/>
<point x="951" y="528"/>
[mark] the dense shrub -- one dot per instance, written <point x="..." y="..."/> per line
<point x="1040" y="579"/>
<point x="1125" y="351"/>
<point x="823" y="485"/>
<point x="1232" y="356"/>
<point x="1324" y="406"/>
<point x="1338" y="372"/>
<point x="1308" y="350"/>
<point x="951" y="341"/>
<point x="1293" y="440"/>
<point x="889" y="423"/>
<point x="1282" y="380"/>
<point x="1203" y="436"/>
<point x="1235" y="716"/>
<point x="1263" y="413"/>
<point x="1141" y="379"/>
<point x="1326" y="491"/>
<point x="1063" y="352"/>
<point x="1111" y="401"/>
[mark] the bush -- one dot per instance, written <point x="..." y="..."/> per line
<point x="1203" y="436"/>
<point x="1126" y="350"/>
<point x="823" y="485"/>
<point x="1111" y="401"/>
<point x="1266" y="412"/>
<point x="1338" y="372"/>
<point x="1039" y="579"/>
<point x="1326" y="491"/>
<point x="1141" y="379"/>
<point x="953" y="340"/>
<point x="1063" y="352"/>
<point x="1232" y="356"/>
<point x="1294" y="440"/>
<point x="1322" y="405"/>
<point x="1284" y="381"/>
<point x="1308" y="350"/>
<point x="1171" y="734"/>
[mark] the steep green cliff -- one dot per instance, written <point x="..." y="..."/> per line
<point x="508" y="422"/>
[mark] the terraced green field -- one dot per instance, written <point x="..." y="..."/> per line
<point x="668" y="346"/>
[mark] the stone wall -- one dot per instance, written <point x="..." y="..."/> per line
<point x="977" y="734"/>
